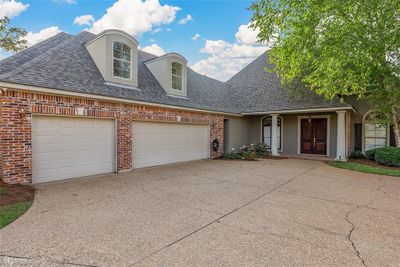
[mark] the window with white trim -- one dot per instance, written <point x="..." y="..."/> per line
<point x="375" y="134"/>
<point x="267" y="131"/>
<point x="177" y="76"/>
<point x="121" y="60"/>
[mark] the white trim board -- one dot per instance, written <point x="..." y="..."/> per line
<point x="328" y="131"/>
<point x="261" y="131"/>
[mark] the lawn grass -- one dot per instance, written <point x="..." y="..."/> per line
<point x="365" y="168"/>
<point x="11" y="212"/>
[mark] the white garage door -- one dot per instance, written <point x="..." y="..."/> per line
<point x="71" y="147"/>
<point x="164" y="143"/>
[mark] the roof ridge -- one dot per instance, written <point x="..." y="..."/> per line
<point x="248" y="65"/>
<point x="39" y="57"/>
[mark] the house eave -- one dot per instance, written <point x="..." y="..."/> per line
<point x="52" y="91"/>
<point x="293" y="111"/>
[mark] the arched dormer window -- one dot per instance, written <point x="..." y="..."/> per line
<point x="267" y="131"/>
<point x="177" y="76"/>
<point x="121" y="60"/>
<point x="375" y="134"/>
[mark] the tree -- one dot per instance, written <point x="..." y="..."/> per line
<point x="11" y="38"/>
<point x="337" y="48"/>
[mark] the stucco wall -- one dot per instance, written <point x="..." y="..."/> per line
<point x="290" y="131"/>
<point x="236" y="132"/>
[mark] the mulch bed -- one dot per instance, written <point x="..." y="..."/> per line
<point x="372" y="163"/>
<point x="10" y="194"/>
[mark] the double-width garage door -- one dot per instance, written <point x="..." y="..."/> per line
<point x="163" y="143"/>
<point x="71" y="147"/>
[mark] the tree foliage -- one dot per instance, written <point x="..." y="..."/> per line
<point x="336" y="48"/>
<point x="11" y="38"/>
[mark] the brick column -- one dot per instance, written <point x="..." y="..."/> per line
<point x="124" y="143"/>
<point x="15" y="136"/>
<point x="217" y="132"/>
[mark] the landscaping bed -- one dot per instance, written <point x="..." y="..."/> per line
<point x="14" y="201"/>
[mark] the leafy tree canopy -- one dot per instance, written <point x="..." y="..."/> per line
<point x="11" y="38"/>
<point x="336" y="47"/>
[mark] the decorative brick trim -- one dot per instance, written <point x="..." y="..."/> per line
<point x="17" y="108"/>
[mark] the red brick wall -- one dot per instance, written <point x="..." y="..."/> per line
<point x="18" y="107"/>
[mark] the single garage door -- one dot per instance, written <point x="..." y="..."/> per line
<point x="164" y="143"/>
<point x="66" y="148"/>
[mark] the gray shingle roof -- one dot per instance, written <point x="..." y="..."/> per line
<point x="62" y="62"/>
<point x="261" y="91"/>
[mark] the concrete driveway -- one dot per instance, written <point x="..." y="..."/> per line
<point x="208" y="213"/>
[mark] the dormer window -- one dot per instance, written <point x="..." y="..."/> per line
<point x="121" y="60"/>
<point x="177" y="77"/>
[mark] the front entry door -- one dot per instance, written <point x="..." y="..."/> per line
<point x="313" y="136"/>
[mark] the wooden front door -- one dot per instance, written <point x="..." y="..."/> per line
<point x="313" y="136"/>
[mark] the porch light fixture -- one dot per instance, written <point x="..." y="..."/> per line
<point x="309" y="118"/>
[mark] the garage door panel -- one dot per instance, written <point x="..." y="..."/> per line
<point x="164" y="143"/>
<point x="71" y="147"/>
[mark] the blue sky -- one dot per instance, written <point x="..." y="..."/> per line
<point x="212" y="35"/>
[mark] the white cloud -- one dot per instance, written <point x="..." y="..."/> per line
<point x="84" y="20"/>
<point x="169" y="30"/>
<point x="11" y="8"/>
<point x="157" y="30"/>
<point x="185" y="20"/>
<point x="154" y="49"/>
<point x="34" y="38"/>
<point x="225" y="59"/>
<point x="135" y="16"/>
<point x="196" y="37"/>
<point x="247" y="35"/>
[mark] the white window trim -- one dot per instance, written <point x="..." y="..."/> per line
<point x="130" y="63"/>
<point x="261" y="131"/>
<point x="172" y="75"/>
<point x="328" y="131"/>
<point x="363" y="131"/>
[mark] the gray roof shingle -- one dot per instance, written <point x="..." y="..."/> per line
<point x="261" y="91"/>
<point x="62" y="62"/>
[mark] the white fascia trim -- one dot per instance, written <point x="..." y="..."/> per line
<point x="122" y="85"/>
<point x="113" y="31"/>
<point x="298" y="111"/>
<point x="173" y="54"/>
<point x="21" y="87"/>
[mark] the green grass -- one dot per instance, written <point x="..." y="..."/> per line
<point x="364" y="168"/>
<point x="11" y="212"/>
<point x="2" y="191"/>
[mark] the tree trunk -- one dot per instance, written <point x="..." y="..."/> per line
<point x="396" y="125"/>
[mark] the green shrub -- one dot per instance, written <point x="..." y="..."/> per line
<point x="357" y="154"/>
<point x="249" y="155"/>
<point x="370" y="154"/>
<point x="260" y="149"/>
<point x="232" y="155"/>
<point x="388" y="156"/>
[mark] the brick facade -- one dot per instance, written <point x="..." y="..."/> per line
<point x="17" y="109"/>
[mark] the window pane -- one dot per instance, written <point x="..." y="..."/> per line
<point x="267" y="121"/>
<point x="117" y="64"/>
<point x="117" y="46"/>
<point x="176" y="83"/>
<point x="117" y="72"/>
<point x="177" y="69"/>
<point x="126" y="74"/>
<point x="117" y="54"/>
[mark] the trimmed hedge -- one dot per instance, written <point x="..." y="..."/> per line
<point x="356" y="154"/>
<point x="370" y="154"/>
<point x="389" y="156"/>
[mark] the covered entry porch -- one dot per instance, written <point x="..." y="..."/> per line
<point x="312" y="133"/>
